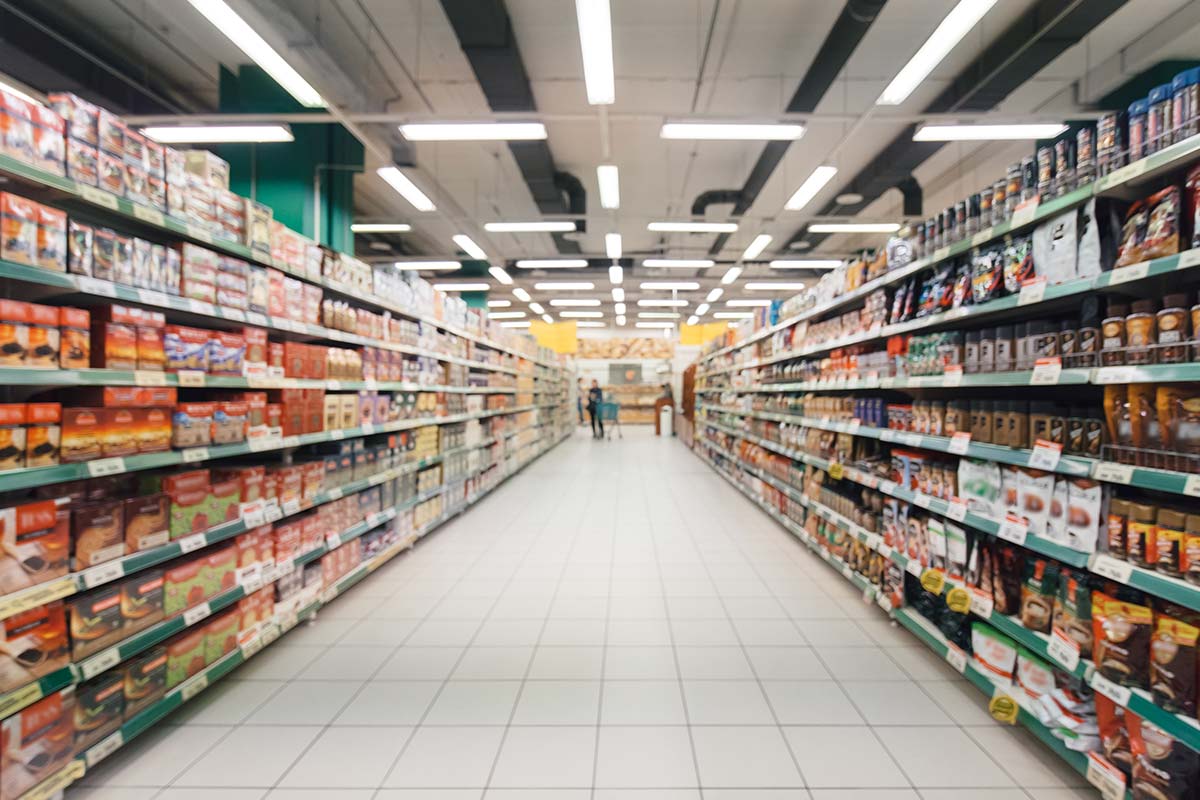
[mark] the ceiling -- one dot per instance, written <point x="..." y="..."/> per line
<point x="727" y="59"/>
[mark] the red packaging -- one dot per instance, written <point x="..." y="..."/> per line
<point x="37" y="741"/>
<point x="37" y="541"/>
<point x="52" y="239"/>
<point x="276" y="302"/>
<point x="120" y="432"/>
<point x="75" y="338"/>
<point x="287" y="541"/>
<point x="36" y="644"/>
<point x="114" y="346"/>
<point x="256" y="345"/>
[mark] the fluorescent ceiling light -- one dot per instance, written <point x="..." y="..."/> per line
<point x="733" y="315"/>
<point x="808" y="190"/>
<point x="658" y="315"/>
<point x="506" y="315"/>
<point x="595" y="40"/>
<point x="499" y="274"/>
<point x="773" y="286"/>
<point x="564" y="286"/>
<point x="683" y="286"/>
<point x="620" y="320"/>
<point x="521" y="294"/>
<point x="537" y="308"/>
<point x="799" y="263"/>
<point x="227" y="21"/>
<point x="544" y="226"/>
<point x="407" y="189"/>
<point x="693" y="319"/>
<point x="758" y="131"/>
<point x="610" y="187"/>
<point x="714" y="295"/>
<point x="953" y="28"/>
<point x="662" y="303"/>
<point x="756" y="247"/>
<point x="380" y="227"/>
<point x="619" y="308"/>
<point x="218" y="134"/>
<point x="618" y="294"/>
<point x="568" y="302"/>
<point x="468" y="246"/>
<point x="747" y="303"/>
<point x="663" y="325"/>
<point x="854" y="227"/>
<point x="678" y="263"/>
<point x="582" y="314"/>
<point x="612" y="245"/>
<point x="549" y="320"/>
<point x="524" y="324"/>
<point x="439" y="266"/>
<point x="702" y="309"/>
<point x="462" y="287"/>
<point x="730" y="276"/>
<point x="616" y="274"/>
<point x="552" y="263"/>
<point x="977" y="133"/>
<point x="499" y="303"/>
<point x="692" y="227"/>
<point x="583" y="323"/>
<point x="472" y="131"/>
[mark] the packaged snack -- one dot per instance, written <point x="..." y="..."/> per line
<point x="143" y="600"/>
<point x="147" y="521"/>
<point x="184" y="586"/>
<point x="1122" y="633"/>
<point x="52" y="239"/>
<point x="191" y="424"/>
<point x="1073" y="610"/>
<point x="1033" y="675"/>
<point x="1163" y="769"/>
<point x="1173" y="662"/>
<point x="144" y="678"/>
<point x="35" y="644"/>
<point x="227" y="353"/>
<point x="99" y="709"/>
<point x="98" y="532"/>
<point x="18" y="229"/>
<point x="220" y="635"/>
<point x="81" y="116"/>
<point x="993" y="651"/>
<point x="83" y="162"/>
<point x="987" y="276"/>
<point x="1038" y="592"/>
<point x="82" y="434"/>
<point x="16" y="128"/>
<point x="120" y="432"/>
<point x="96" y="621"/>
<point x="36" y="544"/>
<point x="186" y="348"/>
<point x="185" y="656"/>
<point x="39" y="740"/>
<point x="1085" y="501"/>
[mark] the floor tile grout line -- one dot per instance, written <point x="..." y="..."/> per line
<point x="612" y="551"/>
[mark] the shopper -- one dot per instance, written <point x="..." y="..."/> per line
<point x="579" y="398"/>
<point x="595" y="398"/>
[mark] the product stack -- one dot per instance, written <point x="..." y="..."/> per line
<point x="988" y="427"/>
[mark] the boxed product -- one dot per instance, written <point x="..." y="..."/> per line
<point x="97" y="532"/>
<point x="36" y="544"/>
<point x="184" y="586"/>
<point x="38" y="741"/>
<point x="99" y="708"/>
<point x="19" y="229"/>
<point x="82" y="434"/>
<point x="147" y="521"/>
<point x="44" y="337"/>
<point x="120" y="432"/>
<point x="185" y="656"/>
<point x="192" y="424"/>
<point x="75" y="338"/>
<point x="144" y="678"/>
<point x="35" y="644"/>
<point x="81" y="116"/>
<point x="142" y="599"/>
<point x="210" y="168"/>
<point x="95" y="620"/>
<point x="220" y="572"/>
<point x="186" y="348"/>
<point x="52" y="239"/>
<point x="221" y="635"/>
<point x="154" y="429"/>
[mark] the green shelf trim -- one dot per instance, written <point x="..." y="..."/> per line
<point x="1141" y="171"/>
<point x="38" y="476"/>
<point x="1067" y="465"/>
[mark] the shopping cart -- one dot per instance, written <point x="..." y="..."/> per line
<point x="610" y="417"/>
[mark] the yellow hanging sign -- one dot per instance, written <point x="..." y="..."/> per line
<point x="561" y="337"/>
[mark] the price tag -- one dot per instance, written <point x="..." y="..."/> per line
<point x="235" y="314"/>
<point x="104" y="748"/>
<point x="1046" y="372"/>
<point x="290" y="441"/>
<point x="956" y="658"/>
<point x="941" y="253"/>
<point x="106" y="466"/>
<point x="1113" y="472"/>
<point x="1003" y="708"/>
<point x="329" y="595"/>
<point x="255" y="318"/>
<point x="149" y="377"/>
<point x="836" y="471"/>
<point x="194" y="542"/>
<point x="333" y="385"/>
<point x="1133" y="272"/>
<point x="368" y="428"/>
<point x="252" y="514"/>
<point x="196" y="613"/>
<point x="201" y="307"/>
<point x="958" y="600"/>
<point x="923" y="500"/>
<point x="251" y="648"/>
<point x="933" y="580"/>
<point x="337" y="433"/>
<point x="1102" y="774"/>
<point x="285" y="567"/>
<point x="1063" y="649"/>
<point x="913" y="567"/>
<point x="194" y="454"/>
<point x="885" y="550"/>
<point x="1110" y="689"/>
<point x="98" y="196"/>
<point x="1111" y="568"/>
<point x="952" y="375"/>
<point x="1045" y="455"/>
<point x="981" y="604"/>
<point x="193" y="687"/>
<point x="104" y="660"/>
<point x="150" y="215"/>
<point x="103" y="574"/>
<point x="887" y="487"/>
<point x="887" y="435"/>
<point x="884" y="601"/>
<point x="335" y="493"/>
<point x="251" y="579"/>
<point x="1188" y="259"/>
<point x="96" y="286"/>
<point x="291" y="507"/>
<point x="1013" y="529"/>
<point x="1024" y="213"/>
<point x="1105" y="375"/>
<point x="198" y="232"/>
<point x="1032" y="291"/>
<point x="333" y="541"/>
<point x="910" y="439"/>
<point x="1191" y="486"/>
<point x="272" y="513"/>
<point x="956" y="510"/>
<point x="153" y="298"/>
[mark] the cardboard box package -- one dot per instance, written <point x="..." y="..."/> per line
<point x="37" y="540"/>
<point x="95" y="620"/>
<point x="185" y="656"/>
<point x="143" y="597"/>
<point x="37" y="741"/>
<point x="35" y="644"/>
<point x="99" y="708"/>
<point x="144" y="678"/>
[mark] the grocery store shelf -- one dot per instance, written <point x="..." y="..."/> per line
<point x="1139" y="172"/>
<point x="37" y="476"/>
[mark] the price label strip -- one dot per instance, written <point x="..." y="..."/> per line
<point x="1063" y="649"/>
<point x="1045" y="455"/>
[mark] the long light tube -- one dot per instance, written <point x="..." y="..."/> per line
<point x="658" y="315"/>
<point x="619" y="308"/>
<point x="618" y="294"/>
<point x="616" y="274"/>
<point x="612" y="245"/>
<point x="714" y="294"/>
<point x="678" y="263"/>
<point x="473" y="131"/>
<point x="521" y="294"/>
<point x="227" y="21"/>
<point x="620" y="320"/>
<point x="468" y="246"/>
<point x="218" y="134"/>
<point x="610" y="187"/>
<point x="662" y="303"/>
<point x="537" y="308"/>
<point x="543" y="226"/>
<point x="702" y="309"/>
<point x="406" y="188"/>
<point x="462" y="287"/>
<point x="380" y="227"/>
<point x="568" y="302"/>
<point x="506" y="315"/>
<point x="799" y="263"/>
<point x="773" y="286"/>
<point x="552" y="263"/>
<point x="564" y="286"/>
<point x="756" y="247"/>
<point x="438" y="266"/>
<point x="500" y="275"/>
<point x="581" y="314"/>
<point x="979" y="133"/>
<point x="683" y="286"/>
<point x="813" y="184"/>
<point x="595" y="40"/>
<point x="663" y="325"/>
<point x="756" y="131"/>
<point x="730" y="275"/>
<point x="549" y="320"/>
<point x="854" y="227"/>
<point x="692" y="227"/>
<point x="693" y="319"/>
<point x="499" y="303"/>
<point x="961" y="19"/>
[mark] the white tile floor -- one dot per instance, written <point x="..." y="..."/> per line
<point x="616" y="623"/>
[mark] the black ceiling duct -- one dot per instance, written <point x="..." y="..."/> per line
<point x="714" y="197"/>
<point x="1037" y="37"/>
<point x="847" y="31"/>
<point x="485" y="35"/>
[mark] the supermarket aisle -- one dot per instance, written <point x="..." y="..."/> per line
<point x="615" y="617"/>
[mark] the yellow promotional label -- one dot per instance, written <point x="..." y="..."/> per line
<point x="37" y="596"/>
<point x="1003" y="708"/>
<point x="836" y="471"/>
<point x="558" y="336"/>
<point x="958" y="600"/>
<point x="701" y="334"/>
<point x="18" y="699"/>
<point x="933" y="580"/>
